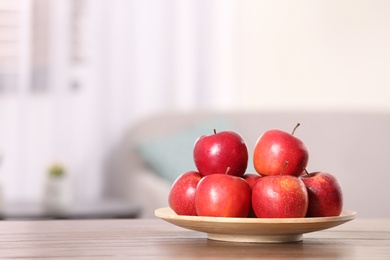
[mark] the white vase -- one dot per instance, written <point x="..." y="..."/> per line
<point x="57" y="196"/>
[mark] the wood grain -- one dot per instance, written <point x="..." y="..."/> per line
<point x="157" y="239"/>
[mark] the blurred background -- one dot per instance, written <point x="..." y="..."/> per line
<point x="76" y="75"/>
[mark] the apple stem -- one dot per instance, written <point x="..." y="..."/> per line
<point x="308" y="174"/>
<point x="215" y="131"/>
<point x="295" y="128"/>
<point x="284" y="167"/>
<point x="227" y="170"/>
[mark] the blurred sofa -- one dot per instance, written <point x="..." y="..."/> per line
<point x="353" y="146"/>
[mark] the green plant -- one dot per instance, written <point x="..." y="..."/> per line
<point x="56" y="170"/>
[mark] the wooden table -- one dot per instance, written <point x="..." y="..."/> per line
<point x="156" y="239"/>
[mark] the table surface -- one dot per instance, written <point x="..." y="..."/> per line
<point x="157" y="239"/>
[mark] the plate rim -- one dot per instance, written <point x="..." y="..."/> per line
<point x="168" y="213"/>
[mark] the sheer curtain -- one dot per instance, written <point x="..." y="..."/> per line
<point x="110" y="64"/>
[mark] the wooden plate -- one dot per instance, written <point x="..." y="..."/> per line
<point x="260" y="230"/>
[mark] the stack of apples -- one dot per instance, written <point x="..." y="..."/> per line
<point x="280" y="188"/>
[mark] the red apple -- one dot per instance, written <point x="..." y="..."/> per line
<point x="219" y="151"/>
<point x="251" y="178"/>
<point x="182" y="194"/>
<point x="222" y="195"/>
<point x="274" y="148"/>
<point x="325" y="194"/>
<point x="280" y="196"/>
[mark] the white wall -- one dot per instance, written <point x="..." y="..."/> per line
<point x="139" y="57"/>
<point x="321" y="55"/>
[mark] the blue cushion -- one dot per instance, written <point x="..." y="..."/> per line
<point x="172" y="155"/>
